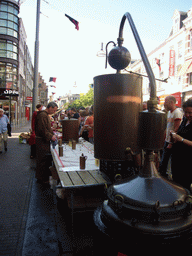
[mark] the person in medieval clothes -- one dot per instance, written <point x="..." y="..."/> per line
<point x="32" y="137"/>
<point x="44" y="134"/>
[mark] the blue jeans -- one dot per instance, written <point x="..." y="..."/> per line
<point x="165" y="159"/>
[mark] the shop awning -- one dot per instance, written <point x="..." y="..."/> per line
<point x="184" y="68"/>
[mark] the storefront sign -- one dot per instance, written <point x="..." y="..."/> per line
<point x="8" y="92"/>
<point x="177" y="95"/>
<point x="172" y="63"/>
<point x="29" y="98"/>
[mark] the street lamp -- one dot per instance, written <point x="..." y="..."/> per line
<point x="101" y="53"/>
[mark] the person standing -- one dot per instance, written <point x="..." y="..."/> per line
<point x="32" y="137"/>
<point x="4" y="120"/>
<point x="89" y="124"/>
<point x="182" y="149"/>
<point x="44" y="134"/>
<point x="174" y="117"/>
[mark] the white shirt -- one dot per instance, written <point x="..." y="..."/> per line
<point x="171" y="117"/>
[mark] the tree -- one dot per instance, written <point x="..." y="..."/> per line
<point x="84" y="101"/>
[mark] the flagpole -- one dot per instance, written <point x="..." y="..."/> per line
<point x="36" y="60"/>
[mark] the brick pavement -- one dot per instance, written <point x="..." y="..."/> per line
<point x="16" y="176"/>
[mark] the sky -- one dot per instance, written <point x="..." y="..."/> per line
<point x="71" y="55"/>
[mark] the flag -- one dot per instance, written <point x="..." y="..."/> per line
<point x="76" y="23"/>
<point x="53" y="86"/>
<point x="52" y="79"/>
<point x="158" y="63"/>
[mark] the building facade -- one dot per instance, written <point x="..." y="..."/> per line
<point x="42" y="91"/>
<point x="171" y="61"/>
<point x="9" y="49"/>
<point x="16" y="67"/>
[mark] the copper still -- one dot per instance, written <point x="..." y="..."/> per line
<point x="145" y="205"/>
<point x="116" y="115"/>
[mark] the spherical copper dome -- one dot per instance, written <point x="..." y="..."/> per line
<point x="119" y="57"/>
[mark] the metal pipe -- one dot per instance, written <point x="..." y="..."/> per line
<point x="147" y="65"/>
<point x="36" y="59"/>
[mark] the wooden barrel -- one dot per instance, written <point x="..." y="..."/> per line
<point x="70" y="129"/>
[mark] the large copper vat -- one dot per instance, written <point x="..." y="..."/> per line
<point x="70" y="129"/>
<point x="117" y="103"/>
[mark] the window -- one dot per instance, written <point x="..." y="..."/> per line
<point x="190" y="78"/>
<point x="8" y="19"/>
<point x="8" y="78"/>
<point x="176" y="25"/>
<point x="191" y="40"/>
<point x="10" y="8"/>
<point x="3" y="15"/>
<point x="4" y="7"/>
<point x="8" y="49"/>
<point x="180" y="52"/>
<point x="2" y="30"/>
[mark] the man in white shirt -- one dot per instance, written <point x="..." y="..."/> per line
<point x="174" y="118"/>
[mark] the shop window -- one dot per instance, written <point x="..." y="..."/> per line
<point x="2" y="67"/>
<point x="9" y="85"/>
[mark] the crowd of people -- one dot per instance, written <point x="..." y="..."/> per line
<point x="44" y="124"/>
<point x="178" y="142"/>
<point x="85" y="117"/>
<point x="177" y="147"/>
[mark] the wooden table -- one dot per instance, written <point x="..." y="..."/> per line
<point x="71" y="176"/>
<point x="75" y="180"/>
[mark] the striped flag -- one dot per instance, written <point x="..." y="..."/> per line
<point x="76" y="23"/>
<point x="52" y="79"/>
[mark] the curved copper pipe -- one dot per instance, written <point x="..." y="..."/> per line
<point x="152" y="83"/>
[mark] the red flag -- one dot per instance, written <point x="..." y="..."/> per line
<point x="158" y="63"/>
<point x="52" y="79"/>
<point x="73" y="21"/>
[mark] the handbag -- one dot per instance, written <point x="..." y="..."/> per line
<point x="9" y="129"/>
